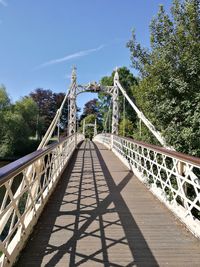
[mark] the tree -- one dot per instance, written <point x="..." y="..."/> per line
<point x="21" y="121"/>
<point x="126" y="128"/>
<point x="48" y="103"/>
<point x="127" y="80"/>
<point x="15" y="135"/>
<point x="89" y="130"/>
<point x="28" y="109"/>
<point x="168" y="90"/>
<point x="4" y="98"/>
<point x="91" y="107"/>
<point x="4" y="106"/>
<point x="18" y="123"/>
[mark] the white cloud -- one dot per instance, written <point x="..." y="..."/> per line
<point x="78" y="54"/>
<point x="3" y="2"/>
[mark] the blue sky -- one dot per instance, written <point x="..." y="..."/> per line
<point x="42" y="39"/>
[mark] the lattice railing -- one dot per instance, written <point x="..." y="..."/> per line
<point x="25" y="186"/>
<point x="173" y="177"/>
<point x="104" y="138"/>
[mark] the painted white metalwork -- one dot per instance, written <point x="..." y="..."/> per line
<point x="53" y="125"/>
<point x="173" y="177"/>
<point x="84" y="127"/>
<point x="25" y="186"/>
<point x="72" y="102"/>
<point x="115" y="113"/>
<point x="106" y="129"/>
<point x="114" y="92"/>
<point x="94" y="87"/>
<point x="90" y="125"/>
<point x="95" y="128"/>
<point x="141" y="116"/>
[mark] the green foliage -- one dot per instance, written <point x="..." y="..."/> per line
<point x="15" y="134"/>
<point x="91" y="107"/>
<point x="16" y="141"/>
<point x="18" y="123"/>
<point x="89" y="130"/>
<point x="142" y="133"/>
<point x="29" y="111"/>
<point x="91" y="111"/>
<point x="21" y="121"/>
<point x="4" y="99"/>
<point x="48" y="103"/>
<point x="126" y="128"/>
<point x="127" y="80"/>
<point x="168" y="91"/>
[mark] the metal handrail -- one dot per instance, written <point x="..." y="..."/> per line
<point x="167" y="152"/>
<point x="25" y="187"/>
<point x="171" y="176"/>
<point x="15" y="167"/>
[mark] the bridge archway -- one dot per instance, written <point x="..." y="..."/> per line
<point x="90" y="125"/>
<point x="75" y="90"/>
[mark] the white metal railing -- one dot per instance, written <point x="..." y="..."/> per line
<point x="104" y="138"/>
<point x="173" y="177"/>
<point x="25" y="186"/>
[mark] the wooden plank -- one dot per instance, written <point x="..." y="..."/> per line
<point x="102" y="215"/>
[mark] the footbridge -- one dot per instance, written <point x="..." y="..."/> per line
<point x="112" y="201"/>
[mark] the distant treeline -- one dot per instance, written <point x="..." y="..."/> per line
<point x="22" y="124"/>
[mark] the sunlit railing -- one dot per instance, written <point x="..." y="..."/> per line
<point x="25" y="186"/>
<point x="173" y="177"/>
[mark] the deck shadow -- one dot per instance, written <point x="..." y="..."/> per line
<point x="139" y="248"/>
<point x="89" y="188"/>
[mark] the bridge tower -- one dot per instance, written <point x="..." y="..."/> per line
<point x="95" y="127"/>
<point x="72" y="101"/>
<point x="83" y="126"/>
<point x="115" y="113"/>
<point x="75" y="90"/>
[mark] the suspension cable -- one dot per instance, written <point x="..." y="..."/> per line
<point x="53" y="124"/>
<point x="140" y="127"/>
<point x="140" y="114"/>
<point x="107" y="120"/>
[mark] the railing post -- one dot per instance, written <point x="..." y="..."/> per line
<point x="183" y="188"/>
<point x="112" y="141"/>
<point x="75" y="140"/>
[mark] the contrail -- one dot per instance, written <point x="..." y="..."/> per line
<point x="71" y="56"/>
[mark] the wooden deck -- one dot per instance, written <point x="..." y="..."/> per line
<point x="101" y="215"/>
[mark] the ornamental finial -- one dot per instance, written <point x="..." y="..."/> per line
<point x="116" y="76"/>
<point x="73" y="76"/>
